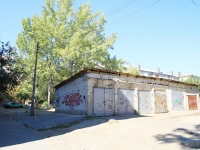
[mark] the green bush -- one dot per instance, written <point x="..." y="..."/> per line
<point x="45" y="104"/>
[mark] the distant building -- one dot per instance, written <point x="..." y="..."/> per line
<point x="159" y="74"/>
<point x="183" y="77"/>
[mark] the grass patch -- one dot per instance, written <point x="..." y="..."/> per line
<point x="61" y="126"/>
<point x="69" y="124"/>
<point x="190" y="133"/>
<point x="91" y="117"/>
<point x="27" y="126"/>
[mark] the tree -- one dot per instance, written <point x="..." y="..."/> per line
<point x="194" y="80"/>
<point x="10" y="74"/>
<point x="131" y="69"/>
<point x="70" y="40"/>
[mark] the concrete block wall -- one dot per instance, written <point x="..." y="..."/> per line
<point x="72" y="97"/>
<point x="136" y="84"/>
<point x="81" y="89"/>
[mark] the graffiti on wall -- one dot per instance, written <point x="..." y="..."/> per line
<point x="110" y="106"/>
<point x="73" y="100"/>
<point x="177" y="101"/>
<point x="57" y="101"/>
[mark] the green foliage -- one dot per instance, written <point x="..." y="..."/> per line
<point x="194" y="80"/>
<point x="10" y="74"/>
<point x="132" y="70"/>
<point x="70" y="40"/>
<point x="45" y="104"/>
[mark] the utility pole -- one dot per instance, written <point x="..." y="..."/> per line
<point x="49" y="95"/>
<point x="49" y="90"/>
<point x="32" y="112"/>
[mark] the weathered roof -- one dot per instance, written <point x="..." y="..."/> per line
<point x="117" y="73"/>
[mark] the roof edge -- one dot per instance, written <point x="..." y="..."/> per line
<point x="118" y="73"/>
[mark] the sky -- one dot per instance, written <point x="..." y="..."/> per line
<point x="154" y="34"/>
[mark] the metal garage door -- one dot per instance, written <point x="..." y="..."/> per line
<point x="160" y="102"/>
<point x="177" y="100"/>
<point x="126" y="101"/>
<point x="144" y="102"/>
<point x="109" y="102"/>
<point x="103" y="102"/>
<point x="192" y="102"/>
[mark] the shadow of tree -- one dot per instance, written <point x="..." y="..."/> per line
<point x="182" y="136"/>
<point x="198" y="127"/>
<point x="88" y="122"/>
<point x="51" y="123"/>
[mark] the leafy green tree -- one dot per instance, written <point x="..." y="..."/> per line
<point x="70" y="40"/>
<point x="131" y="69"/>
<point x="22" y="93"/>
<point x="10" y="74"/>
<point x="194" y="80"/>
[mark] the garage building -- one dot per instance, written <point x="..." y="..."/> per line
<point x="105" y="93"/>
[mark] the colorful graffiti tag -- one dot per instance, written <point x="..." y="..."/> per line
<point x="177" y="101"/>
<point x="73" y="100"/>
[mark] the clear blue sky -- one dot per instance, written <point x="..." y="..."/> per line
<point x="165" y="34"/>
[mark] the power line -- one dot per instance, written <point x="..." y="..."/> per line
<point x="173" y="31"/>
<point x="135" y="12"/>
<point x="117" y="8"/>
<point x="121" y="7"/>
<point x="195" y="4"/>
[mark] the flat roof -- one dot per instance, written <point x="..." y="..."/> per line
<point x="117" y="73"/>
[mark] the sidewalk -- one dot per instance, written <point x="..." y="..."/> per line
<point x="43" y="119"/>
<point x="15" y="136"/>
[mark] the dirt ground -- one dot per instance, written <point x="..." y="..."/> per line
<point x="149" y="132"/>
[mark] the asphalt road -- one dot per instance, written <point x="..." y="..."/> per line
<point x="167" y="131"/>
<point x="43" y="119"/>
<point x="13" y="135"/>
<point x="18" y="130"/>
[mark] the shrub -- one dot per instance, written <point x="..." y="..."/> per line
<point x="45" y="104"/>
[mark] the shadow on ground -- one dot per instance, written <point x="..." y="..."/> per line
<point x="90" y="121"/>
<point x="14" y="133"/>
<point x="188" y="139"/>
<point x="18" y="127"/>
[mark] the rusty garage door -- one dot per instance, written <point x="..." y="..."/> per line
<point x="160" y="102"/>
<point x="103" y="102"/>
<point x="177" y="100"/>
<point x="144" y="102"/>
<point x="126" y="101"/>
<point x="192" y="102"/>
